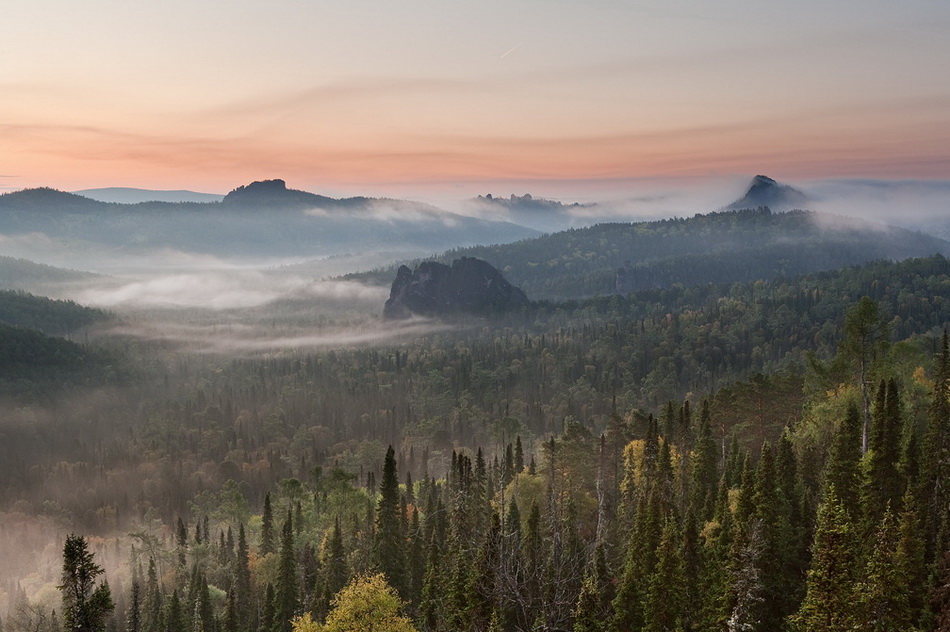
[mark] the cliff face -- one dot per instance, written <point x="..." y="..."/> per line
<point x="468" y="286"/>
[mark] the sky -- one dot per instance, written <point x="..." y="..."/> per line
<point x="425" y="98"/>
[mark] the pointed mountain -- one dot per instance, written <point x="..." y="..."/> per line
<point x="764" y="191"/>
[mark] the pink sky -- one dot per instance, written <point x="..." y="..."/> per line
<point x="416" y="96"/>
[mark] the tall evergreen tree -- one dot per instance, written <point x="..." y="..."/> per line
<point x="242" y="583"/>
<point x="133" y="615"/>
<point x="882" y="597"/>
<point x="268" y="537"/>
<point x="287" y="592"/>
<point x="389" y="548"/>
<point x="665" y="602"/>
<point x="829" y="598"/>
<point x="86" y="605"/>
<point x="884" y="485"/>
<point x="843" y="470"/>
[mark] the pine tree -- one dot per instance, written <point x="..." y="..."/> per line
<point x="843" y="470"/>
<point x="705" y="468"/>
<point x="152" y="606"/>
<point x="86" y="605"/>
<point x="286" y="591"/>
<point x="829" y="605"/>
<point x="935" y="467"/>
<point x="133" y="621"/>
<point x="267" y="528"/>
<point x="268" y="611"/>
<point x="174" y="614"/>
<point x="389" y="549"/>
<point x="594" y="603"/>
<point x="665" y="602"/>
<point x="884" y="486"/>
<point x="882" y="597"/>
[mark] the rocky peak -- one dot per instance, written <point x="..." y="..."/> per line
<point x="764" y="191"/>
<point x="468" y="286"/>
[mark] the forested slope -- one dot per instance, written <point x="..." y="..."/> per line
<point x="52" y="317"/>
<point x="679" y="458"/>
<point x="724" y="247"/>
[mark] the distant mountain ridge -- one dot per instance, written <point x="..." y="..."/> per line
<point x="722" y="247"/>
<point x="129" y="195"/>
<point x="263" y="220"/>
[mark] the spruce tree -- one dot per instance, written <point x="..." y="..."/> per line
<point x="268" y="538"/>
<point x="133" y="617"/>
<point x="843" y="470"/>
<point x="242" y="582"/>
<point x="174" y="618"/>
<point x="829" y="595"/>
<point x="287" y="592"/>
<point x="882" y="597"/>
<point x="389" y="550"/>
<point x="86" y="605"/>
<point x="152" y="605"/>
<point x="665" y="602"/>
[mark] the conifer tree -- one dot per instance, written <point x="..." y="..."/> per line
<point x="843" y="468"/>
<point x="86" y="605"/>
<point x="935" y="466"/>
<point x="334" y="561"/>
<point x="829" y="597"/>
<point x="882" y="597"/>
<point x="242" y="582"/>
<point x="884" y="486"/>
<point x="665" y="602"/>
<point x="287" y="592"/>
<point x="174" y="618"/>
<point x="133" y="619"/>
<point x="152" y="605"/>
<point x="268" y="544"/>
<point x="389" y="544"/>
<point x="268" y="610"/>
<point x="705" y="466"/>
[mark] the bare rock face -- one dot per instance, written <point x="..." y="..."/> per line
<point x="468" y="286"/>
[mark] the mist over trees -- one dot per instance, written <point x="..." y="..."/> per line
<point x="735" y="456"/>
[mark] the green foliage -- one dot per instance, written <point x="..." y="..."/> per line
<point x="51" y="317"/>
<point x="86" y="603"/>
<point x="829" y="598"/>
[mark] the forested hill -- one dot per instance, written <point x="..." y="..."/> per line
<point x="262" y="219"/>
<point x="23" y="274"/>
<point x="33" y="364"/>
<point x="52" y="317"/>
<point x="723" y="247"/>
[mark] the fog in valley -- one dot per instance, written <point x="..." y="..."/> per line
<point x="208" y="353"/>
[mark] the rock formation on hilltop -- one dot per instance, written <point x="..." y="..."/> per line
<point x="468" y="286"/>
<point x="764" y="191"/>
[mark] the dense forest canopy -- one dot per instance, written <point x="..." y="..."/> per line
<point x="690" y="457"/>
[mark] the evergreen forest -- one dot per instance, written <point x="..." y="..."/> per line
<point x="755" y="454"/>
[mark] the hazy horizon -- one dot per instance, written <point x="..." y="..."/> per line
<point x="424" y="100"/>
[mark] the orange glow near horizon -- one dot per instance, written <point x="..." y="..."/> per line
<point x="425" y="95"/>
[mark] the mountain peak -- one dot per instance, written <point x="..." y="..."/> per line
<point x="765" y="191"/>
<point x="468" y="286"/>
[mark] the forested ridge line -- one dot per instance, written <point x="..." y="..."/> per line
<point x="722" y="247"/>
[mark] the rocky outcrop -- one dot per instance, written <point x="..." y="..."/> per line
<point x="468" y="286"/>
<point x="764" y="191"/>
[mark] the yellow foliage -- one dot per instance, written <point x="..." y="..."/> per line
<point x="305" y="624"/>
<point x="366" y="604"/>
